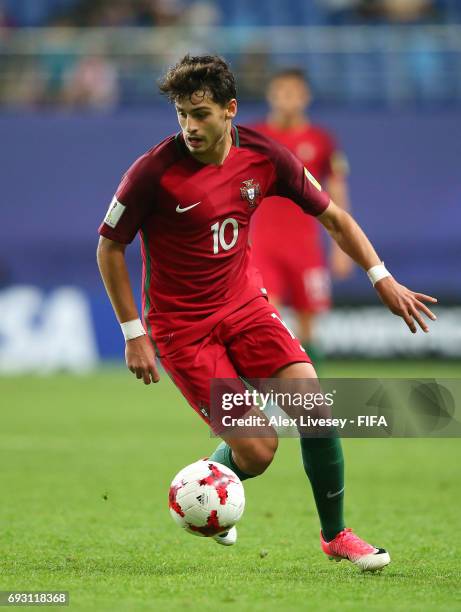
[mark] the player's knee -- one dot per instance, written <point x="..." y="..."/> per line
<point x="258" y="455"/>
<point x="268" y="451"/>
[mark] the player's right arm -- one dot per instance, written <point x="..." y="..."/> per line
<point x="130" y="208"/>
<point x="139" y="353"/>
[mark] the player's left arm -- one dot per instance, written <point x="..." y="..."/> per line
<point x="296" y="183"/>
<point x="400" y="300"/>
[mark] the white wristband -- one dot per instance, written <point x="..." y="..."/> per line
<point x="132" y="329"/>
<point x="376" y="273"/>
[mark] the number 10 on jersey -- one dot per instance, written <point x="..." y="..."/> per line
<point x="219" y="239"/>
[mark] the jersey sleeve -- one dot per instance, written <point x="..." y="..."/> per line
<point x="132" y="203"/>
<point x="294" y="181"/>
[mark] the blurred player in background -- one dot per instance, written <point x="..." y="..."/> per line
<point x="287" y="244"/>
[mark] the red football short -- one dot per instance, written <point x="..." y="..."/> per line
<point x="287" y="249"/>
<point x="296" y="283"/>
<point x="252" y="342"/>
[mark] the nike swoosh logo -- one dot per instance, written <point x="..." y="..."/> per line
<point x="330" y="495"/>
<point x="181" y="210"/>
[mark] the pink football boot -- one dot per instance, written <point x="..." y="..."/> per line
<point x="347" y="545"/>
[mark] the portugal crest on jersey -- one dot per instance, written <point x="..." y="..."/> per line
<point x="250" y="192"/>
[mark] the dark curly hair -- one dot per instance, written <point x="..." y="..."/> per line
<point x="208" y="74"/>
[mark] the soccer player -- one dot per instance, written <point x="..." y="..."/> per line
<point x="287" y="244"/>
<point x="191" y="198"/>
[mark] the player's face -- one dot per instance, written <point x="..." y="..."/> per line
<point x="204" y="123"/>
<point x="288" y="96"/>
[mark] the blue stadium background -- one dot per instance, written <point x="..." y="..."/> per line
<point x="237" y="13"/>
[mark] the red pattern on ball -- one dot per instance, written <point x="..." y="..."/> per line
<point x="212" y="526"/>
<point x="219" y="481"/>
<point x="172" y="503"/>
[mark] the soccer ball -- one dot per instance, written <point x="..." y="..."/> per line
<point x="206" y="498"/>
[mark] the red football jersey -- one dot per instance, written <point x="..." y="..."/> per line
<point x="284" y="227"/>
<point x="194" y="220"/>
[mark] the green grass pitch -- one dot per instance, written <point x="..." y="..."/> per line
<point x="85" y="465"/>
